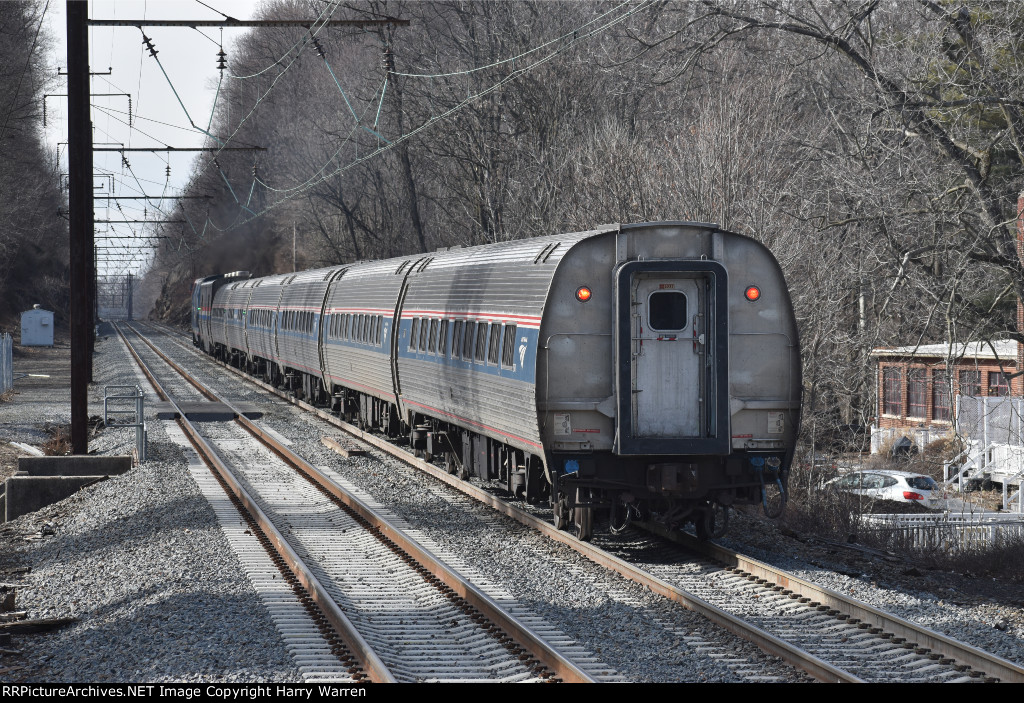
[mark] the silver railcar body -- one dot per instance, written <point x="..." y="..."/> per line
<point x="648" y="369"/>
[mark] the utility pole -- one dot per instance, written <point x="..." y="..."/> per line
<point x="129" y="296"/>
<point x="80" y="216"/>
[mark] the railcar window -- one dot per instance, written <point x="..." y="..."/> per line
<point x="424" y="333"/>
<point x="494" y="351"/>
<point x="432" y="343"/>
<point x="457" y="331"/>
<point x="442" y="342"/>
<point x="481" y="342"/>
<point x="380" y="325"/>
<point x="508" y="346"/>
<point x="415" y="334"/>
<point x="666" y="310"/>
<point x="467" y="341"/>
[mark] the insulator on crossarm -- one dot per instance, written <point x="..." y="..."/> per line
<point x="149" y="45"/>
<point x="319" y="48"/>
<point x="168" y="171"/>
<point x="222" y="59"/>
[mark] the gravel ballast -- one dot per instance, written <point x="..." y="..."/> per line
<point x="139" y="559"/>
<point x="142" y="562"/>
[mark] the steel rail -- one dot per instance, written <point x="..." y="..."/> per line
<point x="562" y="668"/>
<point x="371" y="663"/>
<point x="963" y="653"/>
<point x="792" y="655"/>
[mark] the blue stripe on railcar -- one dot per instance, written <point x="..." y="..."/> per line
<point x="524" y="364"/>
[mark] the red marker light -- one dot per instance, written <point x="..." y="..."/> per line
<point x="753" y="293"/>
<point x="583" y="294"/>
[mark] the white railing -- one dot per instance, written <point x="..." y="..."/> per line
<point x="6" y="362"/>
<point x="952" y="532"/>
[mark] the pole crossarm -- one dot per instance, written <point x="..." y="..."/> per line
<point x="231" y="22"/>
<point x="179" y="148"/>
<point x="153" y="197"/>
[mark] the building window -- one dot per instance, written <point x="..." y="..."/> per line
<point x="892" y="391"/>
<point x="940" y="396"/>
<point x="917" y="397"/>
<point x="970" y="383"/>
<point x="998" y="383"/>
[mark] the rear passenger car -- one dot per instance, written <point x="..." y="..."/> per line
<point x="647" y="371"/>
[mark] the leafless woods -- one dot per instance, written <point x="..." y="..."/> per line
<point x="876" y="147"/>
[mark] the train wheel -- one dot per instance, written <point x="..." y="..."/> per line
<point x="583" y="516"/>
<point x="584" y="521"/>
<point x="561" y="514"/>
<point x="712" y="523"/>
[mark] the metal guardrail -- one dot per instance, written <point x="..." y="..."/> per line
<point x="6" y="362"/>
<point x="138" y="397"/>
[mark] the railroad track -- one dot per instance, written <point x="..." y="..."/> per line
<point x="830" y="636"/>
<point x="377" y="596"/>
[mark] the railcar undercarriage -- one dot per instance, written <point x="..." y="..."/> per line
<point x="587" y="490"/>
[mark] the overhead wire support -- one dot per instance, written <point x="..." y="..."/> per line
<point x="181" y="148"/>
<point x="577" y="37"/>
<point x="191" y="24"/>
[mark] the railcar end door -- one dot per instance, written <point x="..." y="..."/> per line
<point x="672" y="358"/>
<point x="669" y="355"/>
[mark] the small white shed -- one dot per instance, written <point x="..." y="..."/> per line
<point x="37" y="327"/>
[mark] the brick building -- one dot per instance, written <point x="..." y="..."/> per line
<point x="917" y="385"/>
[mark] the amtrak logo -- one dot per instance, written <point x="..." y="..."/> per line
<point x="522" y="355"/>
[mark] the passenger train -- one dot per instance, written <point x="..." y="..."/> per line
<point x="637" y="372"/>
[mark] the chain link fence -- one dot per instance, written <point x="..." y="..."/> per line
<point x="991" y="420"/>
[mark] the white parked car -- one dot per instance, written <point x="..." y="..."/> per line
<point x="882" y="484"/>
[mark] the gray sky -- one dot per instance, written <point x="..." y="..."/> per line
<point x="189" y="57"/>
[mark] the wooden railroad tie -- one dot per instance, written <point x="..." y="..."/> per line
<point x="336" y="446"/>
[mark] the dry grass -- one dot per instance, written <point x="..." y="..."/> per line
<point x="841" y="517"/>
<point x="59" y="443"/>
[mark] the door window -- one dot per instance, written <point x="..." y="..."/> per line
<point x="666" y="311"/>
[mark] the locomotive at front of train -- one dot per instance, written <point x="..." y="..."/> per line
<point x="203" y="317"/>
<point x="668" y="378"/>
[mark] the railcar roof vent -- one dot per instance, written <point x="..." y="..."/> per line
<point x="546" y="252"/>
